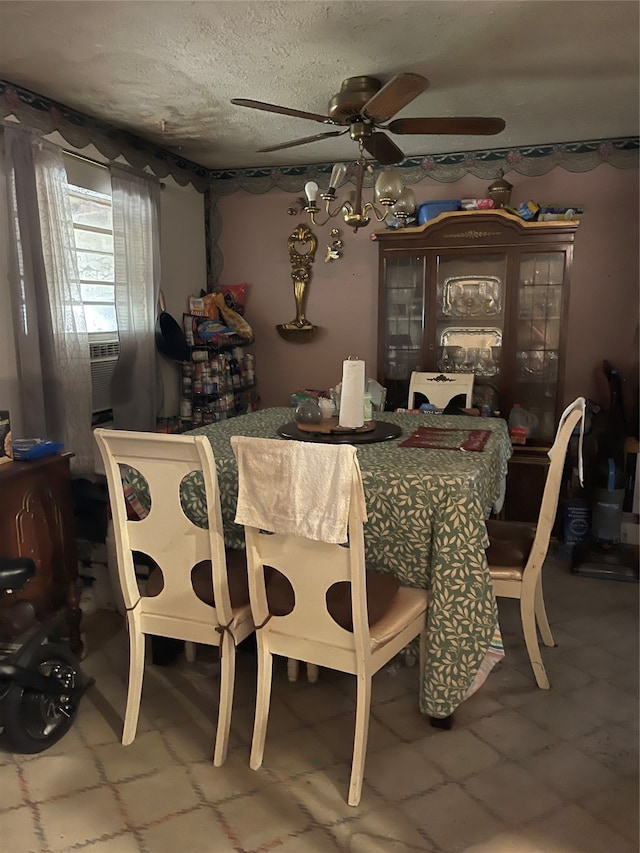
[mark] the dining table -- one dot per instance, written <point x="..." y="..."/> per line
<point x="427" y="506"/>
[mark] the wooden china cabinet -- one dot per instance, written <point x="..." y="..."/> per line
<point x="36" y="520"/>
<point x="482" y="292"/>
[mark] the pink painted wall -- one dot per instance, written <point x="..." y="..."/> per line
<point x="342" y="297"/>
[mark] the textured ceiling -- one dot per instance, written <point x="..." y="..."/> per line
<point x="559" y="71"/>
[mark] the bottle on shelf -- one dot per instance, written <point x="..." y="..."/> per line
<point x="234" y="370"/>
<point x="185" y="408"/>
<point x="248" y="369"/>
<point x="518" y="429"/>
<point x="196" y="384"/>
<point x="215" y="382"/>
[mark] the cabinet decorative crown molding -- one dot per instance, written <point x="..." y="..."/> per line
<point x="471" y="234"/>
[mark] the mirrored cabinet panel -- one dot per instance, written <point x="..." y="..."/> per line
<point x="483" y="293"/>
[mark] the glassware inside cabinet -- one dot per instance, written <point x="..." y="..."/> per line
<point x="542" y="268"/>
<point x="470" y="350"/>
<point x="537" y="365"/>
<point x="470" y="295"/>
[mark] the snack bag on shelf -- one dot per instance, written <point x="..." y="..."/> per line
<point x="196" y="306"/>
<point x="211" y="310"/>
<point x="210" y="330"/>
<point x="235" y="296"/>
<point x="233" y="319"/>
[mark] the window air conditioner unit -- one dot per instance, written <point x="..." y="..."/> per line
<point x="104" y="356"/>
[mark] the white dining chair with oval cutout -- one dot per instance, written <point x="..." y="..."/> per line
<point x="440" y="388"/>
<point x="518" y="550"/>
<point x="315" y="556"/>
<point x="199" y="596"/>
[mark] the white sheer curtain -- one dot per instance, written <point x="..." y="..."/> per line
<point x="137" y="273"/>
<point x="48" y="316"/>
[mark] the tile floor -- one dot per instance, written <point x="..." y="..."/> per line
<point x="522" y="771"/>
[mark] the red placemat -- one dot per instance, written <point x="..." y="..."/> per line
<point x="437" y="438"/>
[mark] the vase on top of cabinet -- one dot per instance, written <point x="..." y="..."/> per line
<point x="484" y="293"/>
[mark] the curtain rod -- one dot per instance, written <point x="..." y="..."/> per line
<point x="86" y="159"/>
<point x="124" y="166"/>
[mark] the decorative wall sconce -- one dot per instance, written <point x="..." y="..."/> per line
<point x="389" y="192"/>
<point x="334" y="249"/>
<point x="300" y="330"/>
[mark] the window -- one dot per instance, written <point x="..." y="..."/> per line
<point x="92" y="223"/>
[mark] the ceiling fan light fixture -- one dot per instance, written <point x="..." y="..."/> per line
<point x="389" y="193"/>
<point x="311" y="192"/>
<point x="337" y="174"/>
<point x="405" y="206"/>
<point x="388" y="187"/>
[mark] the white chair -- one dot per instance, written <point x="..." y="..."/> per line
<point x="518" y="550"/>
<point x="193" y="600"/>
<point x="440" y="388"/>
<point x="309" y="632"/>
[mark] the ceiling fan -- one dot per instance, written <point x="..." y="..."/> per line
<point x="363" y="105"/>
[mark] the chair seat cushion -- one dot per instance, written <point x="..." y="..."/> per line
<point x="509" y="548"/>
<point x="407" y="605"/>
<point x="381" y="591"/>
<point x="203" y="584"/>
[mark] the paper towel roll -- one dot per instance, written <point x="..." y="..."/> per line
<point x="352" y="394"/>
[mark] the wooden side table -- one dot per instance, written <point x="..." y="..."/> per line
<point x="36" y="520"/>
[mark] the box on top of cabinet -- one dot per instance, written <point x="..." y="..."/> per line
<point x="430" y="209"/>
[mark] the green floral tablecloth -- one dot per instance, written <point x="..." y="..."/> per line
<point x="426" y="525"/>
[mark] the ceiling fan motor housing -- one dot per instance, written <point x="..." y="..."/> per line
<point x="354" y="93"/>
<point x="360" y="130"/>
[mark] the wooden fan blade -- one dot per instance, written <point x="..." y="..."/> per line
<point x="457" y="125"/>
<point x="285" y="111"/>
<point x="383" y="149"/>
<point x="395" y="95"/>
<point x="303" y="141"/>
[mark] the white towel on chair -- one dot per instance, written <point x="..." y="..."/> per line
<point x="296" y="487"/>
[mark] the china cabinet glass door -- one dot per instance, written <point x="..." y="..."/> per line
<point x="538" y="334"/>
<point x="404" y="323"/>
<point x="470" y="319"/>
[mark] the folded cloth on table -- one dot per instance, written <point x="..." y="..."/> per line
<point x="296" y="487"/>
